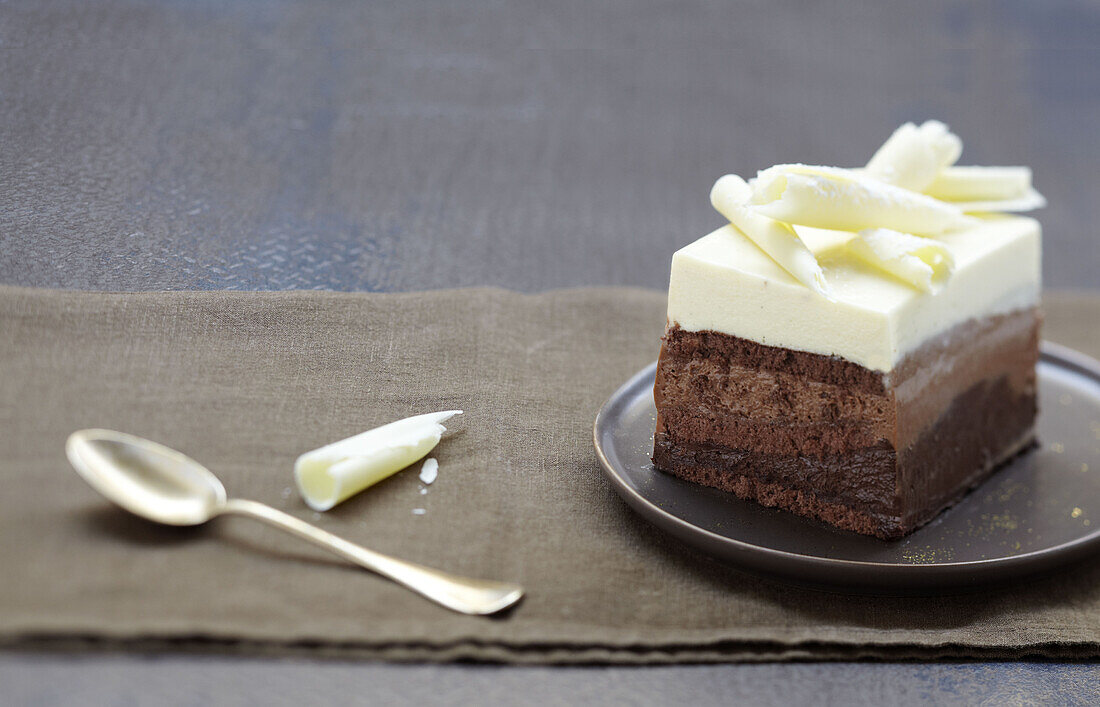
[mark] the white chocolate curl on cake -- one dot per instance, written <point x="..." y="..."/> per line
<point x="338" y="471"/>
<point x="845" y="200"/>
<point x="913" y="156"/>
<point x="921" y="262"/>
<point x="973" y="189"/>
<point x="730" y="195"/>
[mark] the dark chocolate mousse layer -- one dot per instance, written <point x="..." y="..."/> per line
<point x="876" y="453"/>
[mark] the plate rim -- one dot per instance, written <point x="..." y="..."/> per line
<point x="1025" y="563"/>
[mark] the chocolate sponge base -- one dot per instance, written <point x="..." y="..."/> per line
<point x="733" y="471"/>
<point x="718" y="468"/>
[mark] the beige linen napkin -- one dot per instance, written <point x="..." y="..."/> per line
<point x="244" y="382"/>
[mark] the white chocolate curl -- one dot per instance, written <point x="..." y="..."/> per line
<point x="921" y="262"/>
<point x="1028" y="202"/>
<point x="845" y="200"/>
<point x="338" y="471"/>
<point x="913" y="157"/>
<point x="987" y="189"/>
<point x="730" y="197"/>
<point x="970" y="183"/>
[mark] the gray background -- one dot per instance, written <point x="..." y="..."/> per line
<point x="418" y="145"/>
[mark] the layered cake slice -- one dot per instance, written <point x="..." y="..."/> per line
<point x="857" y="346"/>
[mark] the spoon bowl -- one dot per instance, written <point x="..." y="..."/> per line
<point x="146" y="478"/>
<point x="162" y="485"/>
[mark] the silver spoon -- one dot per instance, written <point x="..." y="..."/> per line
<point x="162" y="485"/>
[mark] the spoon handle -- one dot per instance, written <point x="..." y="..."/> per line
<point x="462" y="594"/>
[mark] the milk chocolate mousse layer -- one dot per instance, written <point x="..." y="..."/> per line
<point x="879" y="453"/>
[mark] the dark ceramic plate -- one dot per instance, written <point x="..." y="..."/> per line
<point x="1040" y="511"/>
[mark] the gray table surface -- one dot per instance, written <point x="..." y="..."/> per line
<point x="418" y="145"/>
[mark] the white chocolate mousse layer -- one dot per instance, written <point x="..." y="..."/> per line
<point x="723" y="282"/>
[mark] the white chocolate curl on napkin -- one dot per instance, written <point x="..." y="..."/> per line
<point x="338" y="471"/>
